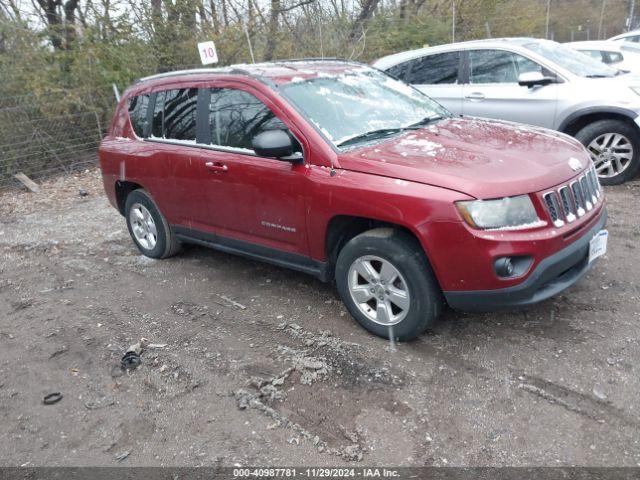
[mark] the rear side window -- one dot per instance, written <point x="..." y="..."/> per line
<point x="441" y="68"/>
<point x="180" y="114"/>
<point x="174" y="114"/>
<point x="138" y="110"/>
<point x="237" y="116"/>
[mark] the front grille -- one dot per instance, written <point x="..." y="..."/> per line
<point x="572" y="201"/>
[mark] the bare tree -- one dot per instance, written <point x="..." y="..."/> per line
<point x="367" y="7"/>
<point x="61" y="21"/>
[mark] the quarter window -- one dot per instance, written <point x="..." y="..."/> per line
<point x="441" y="68"/>
<point x="236" y="117"/>
<point x="138" y="110"/>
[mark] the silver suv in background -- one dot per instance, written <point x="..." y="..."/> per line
<point x="537" y="82"/>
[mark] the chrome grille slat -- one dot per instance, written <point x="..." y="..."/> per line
<point x="586" y="192"/>
<point x="579" y="199"/>
<point x="574" y="199"/>
<point x="595" y="181"/>
<point x="568" y="206"/>
<point x="553" y="206"/>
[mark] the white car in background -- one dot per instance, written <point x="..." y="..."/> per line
<point x="537" y="82"/>
<point x="632" y="36"/>
<point x="621" y="55"/>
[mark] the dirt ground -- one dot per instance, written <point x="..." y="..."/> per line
<point x="263" y="366"/>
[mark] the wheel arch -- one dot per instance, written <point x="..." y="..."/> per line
<point x="581" y="118"/>
<point x="342" y="228"/>
<point x="123" y="189"/>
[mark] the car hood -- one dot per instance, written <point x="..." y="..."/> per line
<point x="481" y="158"/>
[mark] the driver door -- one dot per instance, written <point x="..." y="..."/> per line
<point x="250" y="198"/>
<point x="492" y="89"/>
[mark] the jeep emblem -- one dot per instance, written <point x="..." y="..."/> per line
<point x="575" y="164"/>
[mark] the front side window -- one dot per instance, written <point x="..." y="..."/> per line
<point x="399" y="71"/>
<point x="138" y="110"/>
<point x="595" y="54"/>
<point x="441" y="68"/>
<point x="237" y="116"/>
<point x="499" y="66"/>
<point x="613" y="57"/>
<point x="361" y="103"/>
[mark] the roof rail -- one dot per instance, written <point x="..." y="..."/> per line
<point x="232" y="70"/>
<point x="318" y="59"/>
<point x="196" y="71"/>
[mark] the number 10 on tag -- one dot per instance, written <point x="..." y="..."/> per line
<point x="208" y="53"/>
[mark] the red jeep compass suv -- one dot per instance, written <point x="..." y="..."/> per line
<point x="338" y="170"/>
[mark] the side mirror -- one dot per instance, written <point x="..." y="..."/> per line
<point x="274" y="144"/>
<point x="531" y="79"/>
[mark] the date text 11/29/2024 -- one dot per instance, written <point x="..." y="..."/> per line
<point x="311" y="472"/>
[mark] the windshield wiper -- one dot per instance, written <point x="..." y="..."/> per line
<point x="425" y="121"/>
<point x="384" y="132"/>
<point x="598" y="75"/>
<point x="372" y="135"/>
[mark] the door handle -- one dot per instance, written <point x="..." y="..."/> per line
<point x="216" y="167"/>
<point x="475" y="96"/>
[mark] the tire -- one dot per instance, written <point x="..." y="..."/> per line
<point x="148" y="228"/>
<point x="594" y="138"/>
<point x="400" y="250"/>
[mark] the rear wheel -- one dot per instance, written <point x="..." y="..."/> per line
<point x="148" y="228"/>
<point x="614" y="147"/>
<point x="386" y="282"/>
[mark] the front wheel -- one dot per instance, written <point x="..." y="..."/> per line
<point x="387" y="284"/>
<point x="614" y="147"/>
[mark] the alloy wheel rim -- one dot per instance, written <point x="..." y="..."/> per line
<point x="379" y="290"/>
<point x="611" y="154"/>
<point x="143" y="226"/>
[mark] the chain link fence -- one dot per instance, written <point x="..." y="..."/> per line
<point x="54" y="133"/>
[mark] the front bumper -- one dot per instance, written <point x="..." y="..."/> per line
<point x="552" y="275"/>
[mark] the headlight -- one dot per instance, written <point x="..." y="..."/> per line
<point x="509" y="213"/>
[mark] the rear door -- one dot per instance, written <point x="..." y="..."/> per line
<point x="491" y="89"/>
<point x="172" y="165"/>
<point x="438" y="75"/>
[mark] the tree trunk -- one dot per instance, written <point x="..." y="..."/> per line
<point x="52" y="16"/>
<point x="70" y="22"/>
<point x="272" y="36"/>
<point x="366" y="11"/>
<point x="225" y="13"/>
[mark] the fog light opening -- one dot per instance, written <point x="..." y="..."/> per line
<point x="504" y="267"/>
<point x="509" y="267"/>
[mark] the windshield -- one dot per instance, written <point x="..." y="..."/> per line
<point x="352" y="107"/>
<point x="572" y="60"/>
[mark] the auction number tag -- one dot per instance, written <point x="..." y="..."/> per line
<point x="208" y="52"/>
